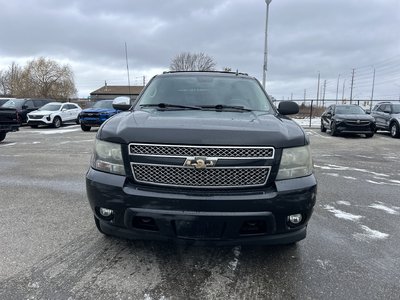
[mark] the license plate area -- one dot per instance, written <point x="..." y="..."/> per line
<point x="199" y="229"/>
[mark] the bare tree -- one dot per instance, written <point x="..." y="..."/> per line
<point x="39" y="78"/>
<point x="192" y="62"/>
<point x="50" y="80"/>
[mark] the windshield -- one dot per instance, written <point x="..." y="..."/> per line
<point x="396" y="109"/>
<point x="206" y="91"/>
<point x="17" y="103"/>
<point x="349" y="110"/>
<point x="103" y="104"/>
<point x="50" y="107"/>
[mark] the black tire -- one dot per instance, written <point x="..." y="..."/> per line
<point x="34" y="126"/>
<point x="369" y="135"/>
<point x="57" y="122"/>
<point x="394" y="130"/>
<point x="2" y="136"/>
<point x="333" y="129"/>
<point x="323" y="129"/>
<point x="85" y="128"/>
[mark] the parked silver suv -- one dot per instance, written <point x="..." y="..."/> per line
<point x="387" y="117"/>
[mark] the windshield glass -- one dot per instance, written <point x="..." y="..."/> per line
<point x="206" y="90"/>
<point x="349" y="110"/>
<point x="396" y="109"/>
<point x="16" y="103"/>
<point x="50" y="107"/>
<point x="103" y="104"/>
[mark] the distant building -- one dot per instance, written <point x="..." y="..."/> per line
<point x="113" y="91"/>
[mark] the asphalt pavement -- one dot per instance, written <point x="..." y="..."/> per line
<point x="50" y="248"/>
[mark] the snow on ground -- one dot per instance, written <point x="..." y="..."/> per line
<point x="315" y="122"/>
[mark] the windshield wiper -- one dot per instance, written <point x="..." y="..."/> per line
<point x="168" y="105"/>
<point x="226" y="107"/>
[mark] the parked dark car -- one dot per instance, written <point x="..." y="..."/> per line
<point x="23" y="107"/>
<point x="203" y="157"/>
<point x="347" y="118"/>
<point x="387" y="117"/>
<point x="97" y="114"/>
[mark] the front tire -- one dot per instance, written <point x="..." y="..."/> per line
<point x="394" y="130"/>
<point x="333" y="129"/>
<point x="57" y="122"/>
<point x="323" y="129"/>
<point x="369" y="135"/>
<point x="2" y="136"/>
<point x="85" y="128"/>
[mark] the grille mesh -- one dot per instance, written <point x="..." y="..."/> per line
<point x="185" y="151"/>
<point x="189" y="177"/>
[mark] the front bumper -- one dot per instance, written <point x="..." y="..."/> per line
<point x="203" y="217"/>
<point x="344" y="127"/>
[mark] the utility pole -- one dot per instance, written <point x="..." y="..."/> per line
<point x="317" y="90"/>
<point x="127" y="69"/>
<point x="344" y="83"/>
<point x="372" y="93"/>
<point x="323" y="96"/>
<point x="351" y="88"/>
<point x="265" y="45"/>
<point x="337" y="88"/>
<point x="305" y="92"/>
<point x="144" y="80"/>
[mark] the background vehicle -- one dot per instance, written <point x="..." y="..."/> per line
<point x="4" y="100"/>
<point x="13" y="114"/>
<point x="55" y="114"/>
<point x="347" y="119"/>
<point x="22" y="107"/>
<point x="387" y="117"/>
<point x="203" y="157"/>
<point x="97" y="114"/>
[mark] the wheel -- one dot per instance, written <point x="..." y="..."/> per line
<point x="2" y="135"/>
<point x="323" y="129"/>
<point x="369" y="135"/>
<point x="97" y="222"/>
<point x="34" y="126"/>
<point x="333" y="129"/>
<point x="394" y="130"/>
<point x="77" y="121"/>
<point x="85" y="128"/>
<point x="57" y="122"/>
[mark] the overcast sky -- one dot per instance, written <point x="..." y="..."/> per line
<point x="305" y="38"/>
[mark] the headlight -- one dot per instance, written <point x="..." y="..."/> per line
<point x="295" y="162"/>
<point x="107" y="157"/>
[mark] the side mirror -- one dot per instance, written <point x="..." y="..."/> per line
<point x="122" y="103"/>
<point x="288" y="108"/>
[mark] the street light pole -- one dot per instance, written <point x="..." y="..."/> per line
<point x="265" y="46"/>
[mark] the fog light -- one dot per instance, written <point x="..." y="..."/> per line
<point x="295" y="219"/>
<point x="105" y="212"/>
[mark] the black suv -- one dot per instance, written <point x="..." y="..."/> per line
<point x="387" y="117"/>
<point x="203" y="157"/>
<point x="24" y="106"/>
<point x="347" y="118"/>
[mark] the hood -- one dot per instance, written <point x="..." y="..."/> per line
<point x="42" y="112"/>
<point x="355" y="117"/>
<point x="203" y="128"/>
<point x="98" y="110"/>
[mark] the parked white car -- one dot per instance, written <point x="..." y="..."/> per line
<point x="54" y="114"/>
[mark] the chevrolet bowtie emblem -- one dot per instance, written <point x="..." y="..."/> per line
<point x="200" y="162"/>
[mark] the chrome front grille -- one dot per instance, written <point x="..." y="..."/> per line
<point x="201" y="166"/>
<point x="207" y="151"/>
<point x="189" y="177"/>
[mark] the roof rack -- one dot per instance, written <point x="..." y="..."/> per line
<point x="223" y="72"/>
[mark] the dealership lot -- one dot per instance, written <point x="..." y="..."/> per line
<point x="50" y="248"/>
